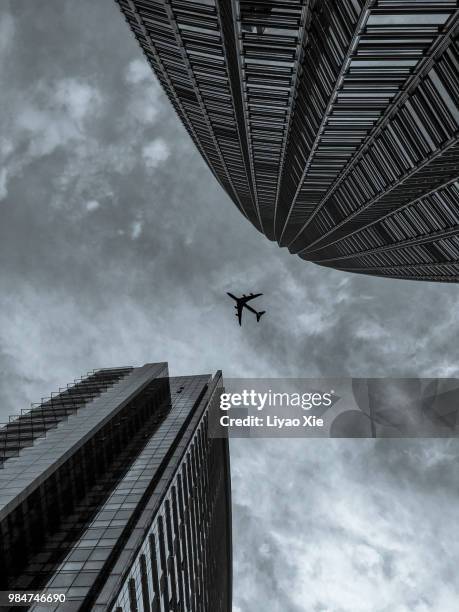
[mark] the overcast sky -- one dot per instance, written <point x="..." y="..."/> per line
<point x="117" y="247"/>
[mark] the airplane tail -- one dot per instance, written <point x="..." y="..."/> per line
<point x="259" y="314"/>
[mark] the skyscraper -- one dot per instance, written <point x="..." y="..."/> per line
<point x="113" y="497"/>
<point x="332" y="125"/>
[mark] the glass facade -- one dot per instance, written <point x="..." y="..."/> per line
<point x="181" y="563"/>
<point x="333" y="126"/>
<point x="83" y="519"/>
<point x="23" y="430"/>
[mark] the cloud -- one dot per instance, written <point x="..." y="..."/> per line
<point x="45" y="131"/>
<point x="7" y="31"/>
<point x="6" y="147"/>
<point x="92" y="205"/>
<point x="154" y="153"/>
<point x="3" y="182"/>
<point x="144" y="104"/>
<point x="78" y="99"/>
<point x="50" y="119"/>
<point x="137" y="71"/>
<point x="136" y="229"/>
<point x="340" y="532"/>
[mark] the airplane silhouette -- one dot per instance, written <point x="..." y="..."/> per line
<point x="241" y="303"/>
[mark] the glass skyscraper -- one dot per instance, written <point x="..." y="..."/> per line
<point x="113" y="496"/>
<point x="332" y="124"/>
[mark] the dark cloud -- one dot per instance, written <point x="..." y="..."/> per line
<point x="117" y="246"/>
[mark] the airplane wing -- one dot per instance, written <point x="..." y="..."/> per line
<point x="250" y="308"/>
<point x="247" y="298"/>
